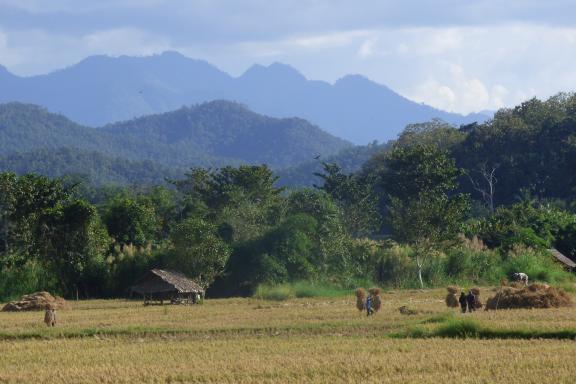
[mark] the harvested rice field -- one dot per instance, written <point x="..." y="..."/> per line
<point x="316" y="340"/>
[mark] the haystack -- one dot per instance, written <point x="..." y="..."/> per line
<point x="38" y="301"/>
<point x="477" y="302"/>
<point x="360" y="299"/>
<point x="376" y="300"/>
<point x="404" y="310"/>
<point x="451" y="298"/>
<point x="532" y="296"/>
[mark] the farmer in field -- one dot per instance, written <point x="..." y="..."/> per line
<point x="471" y="299"/>
<point x="369" y="309"/>
<point x="50" y="317"/>
<point x="463" y="301"/>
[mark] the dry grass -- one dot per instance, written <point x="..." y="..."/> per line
<point x="319" y="359"/>
<point x="300" y="340"/>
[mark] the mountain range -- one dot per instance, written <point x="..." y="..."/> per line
<point x="101" y="90"/>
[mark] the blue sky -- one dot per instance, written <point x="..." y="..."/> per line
<point x="458" y="55"/>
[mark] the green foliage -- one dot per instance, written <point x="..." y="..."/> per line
<point x="350" y="160"/>
<point x="126" y="265"/>
<point x="355" y="197"/>
<point x="130" y="221"/>
<point x="532" y="147"/>
<point x="215" y="133"/>
<point x="537" y="226"/>
<point x="198" y="250"/>
<point x="539" y="265"/>
<point x="418" y="180"/>
<point x="97" y="168"/>
<point x="459" y="328"/>
<point x="43" y="226"/>
<point x="435" y="133"/>
<point x="299" y="289"/>
<point x="235" y="226"/>
<point x="276" y="293"/>
<point x="29" y="277"/>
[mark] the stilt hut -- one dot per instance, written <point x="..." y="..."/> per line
<point x="159" y="285"/>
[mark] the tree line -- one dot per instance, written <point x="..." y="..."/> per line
<point x="440" y="204"/>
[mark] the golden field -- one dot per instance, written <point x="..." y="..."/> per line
<point x="300" y="340"/>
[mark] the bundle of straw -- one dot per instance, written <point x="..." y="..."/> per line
<point x="477" y="302"/>
<point x="453" y="289"/>
<point x="451" y="299"/>
<point x="376" y="300"/>
<point x="374" y="291"/>
<point x="360" y="299"/>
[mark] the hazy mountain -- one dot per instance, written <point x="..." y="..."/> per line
<point x="101" y="90"/>
<point x="210" y="134"/>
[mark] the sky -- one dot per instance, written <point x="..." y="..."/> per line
<point x="457" y="55"/>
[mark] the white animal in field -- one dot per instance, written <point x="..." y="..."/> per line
<point x="521" y="277"/>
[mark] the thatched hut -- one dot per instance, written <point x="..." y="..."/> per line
<point x="567" y="263"/>
<point x="160" y="285"/>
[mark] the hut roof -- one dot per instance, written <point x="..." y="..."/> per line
<point x="161" y="281"/>
<point x="563" y="259"/>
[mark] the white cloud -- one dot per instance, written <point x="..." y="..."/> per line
<point x="295" y="44"/>
<point x="124" y="41"/>
<point x="31" y="52"/>
<point x="367" y="48"/>
<point x="466" y="69"/>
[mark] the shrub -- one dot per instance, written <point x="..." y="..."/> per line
<point x="31" y="277"/>
<point x="318" y="289"/>
<point x="462" y="328"/>
<point x="276" y="293"/>
<point x="538" y="265"/>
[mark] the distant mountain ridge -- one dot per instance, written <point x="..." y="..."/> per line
<point x="100" y="90"/>
<point x="210" y="135"/>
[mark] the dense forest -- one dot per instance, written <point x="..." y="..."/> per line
<point x="210" y="135"/>
<point x="439" y="205"/>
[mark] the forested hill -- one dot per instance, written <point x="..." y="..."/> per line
<point x="211" y="134"/>
<point x="227" y="130"/>
<point x="92" y="166"/>
<point x="101" y="90"/>
<point x="349" y="160"/>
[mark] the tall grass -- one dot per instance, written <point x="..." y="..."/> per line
<point x="465" y="265"/>
<point x="301" y="289"/>
<point x="274" y="292"/>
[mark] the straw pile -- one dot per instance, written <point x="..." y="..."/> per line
<point x="38" y="301"/>
<point x="532" y="296"/>
<point x="451" y="298"/>
<point x="376" y="300"/>
<point x="407" y="311"/>
<point x="360" y="299"/>
<point x="477" y="302"/>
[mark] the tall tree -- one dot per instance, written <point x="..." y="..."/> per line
<point x="355" y="197"/>
<point x="198" y="250"/>
<point x="419" y="181"/>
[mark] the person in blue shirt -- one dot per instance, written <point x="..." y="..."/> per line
<point x="369" y="309"/>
